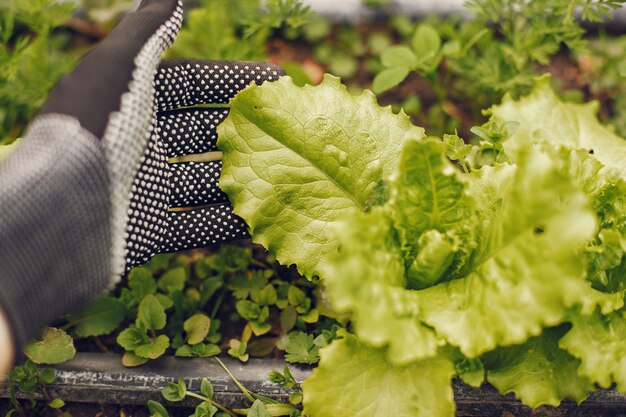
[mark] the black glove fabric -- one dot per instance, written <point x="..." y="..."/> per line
<point x="182" y="128"/>
<point x="88" y="193"/>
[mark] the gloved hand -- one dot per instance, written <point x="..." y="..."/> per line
<point x="88" y="193"/>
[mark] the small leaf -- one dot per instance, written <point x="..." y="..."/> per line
<point x="157" y="409"/>
<point x="165" y="301"/>
<point x="311" y="317"/>
<point x="389" y="78"/>
<point x="129" y="359"/>
<point x="55" y="347"/>
<point x="209" y="287"/>
<point x="247" y="309"/>
<point x="151" y="313"/>
<point x="259" y="329"/>
<point x="101" y="317"/>
<point x="174" y="279"/>
<point x="258" y="410"/>
<point x="426" y="42"/>
<point x="300" y="348"/>
<point x="155" y="348"/>
<point x="288" y="318"/>
<point x="56" y="403"/>
<point x="47" y="376"/>
<point x="205" y="410"/>
<point x="295" y="398"/>
<point x="398" y="56"/>
<point x="206" y="388"/>
<point x="238" y="350"/>
<point x="261" y="347"/>
<point x="296" y="296"/>
<point x="267" y="296"/>
<point x="141" y="282"/>
<point x="174" y="392"/>
<point x="131" y="338"/>
<point x="197" y="328"/>
<point x="205" y="350"/>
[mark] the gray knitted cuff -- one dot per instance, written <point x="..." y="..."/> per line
<point x="54" y="224"/>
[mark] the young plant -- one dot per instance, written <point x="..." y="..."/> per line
<point x="261" y="406"/>
<point x="443" y="273"/>
<point x="479" y="60"/>
<point x="30" y="379"/>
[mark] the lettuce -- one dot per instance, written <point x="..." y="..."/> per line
<point x="514" y="271"/>
<point x="297" y="159"/>
<point x="355" y="380"/>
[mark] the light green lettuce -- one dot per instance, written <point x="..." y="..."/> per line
<point x="529" y="271"/>
<point x="544" y="117"/>
<point x="367" y="279"/>
<point x="298" y="158"/>
<point x="432" y="212"/>
<point x="538" y="371"/>
<point x="599" y="342"/>
<point x="356" y="380"/>
<point x="493" y="264"/>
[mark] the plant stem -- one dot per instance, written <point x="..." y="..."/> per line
<point x="217" y="304"/>
<point x="241" y="387"/>
<point x="441" y="99"/>
<point x="50" y="399"/>
<point x="213" y="403"/>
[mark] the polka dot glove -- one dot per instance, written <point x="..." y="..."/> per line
<point x="179" y="206"/>
<point x="89" y="192"/>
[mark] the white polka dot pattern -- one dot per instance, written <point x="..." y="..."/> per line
<point x="203" y="227"/>
<point x="192" y="82"/>
<point x="152" y="227"/>
<point x="127" y="134"/>
<point x="190" y="131"/>
<point x="195" y="183"/>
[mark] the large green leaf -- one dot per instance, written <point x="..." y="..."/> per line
<point x="356" y="380"/>
<point x="298" y="158"/>
<point x="544" y="117"/>
<point x="538" y="372"/>
<point x="600" y="343"/>
<point x="529" y="271"/>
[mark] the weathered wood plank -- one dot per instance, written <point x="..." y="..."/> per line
<point x="101" y="378"/>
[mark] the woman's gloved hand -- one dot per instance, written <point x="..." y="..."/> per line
<point x="88" y="193"/>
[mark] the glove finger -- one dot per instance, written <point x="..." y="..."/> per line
<point x="190" y="131"/>
<point x="188" y="82"/>
<point x="195" y="184"/>
<point x="94" y="90"/>
<point x="202" y="227"/>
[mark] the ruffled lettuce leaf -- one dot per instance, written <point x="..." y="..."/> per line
<point x="599" y="341"/>
<point x="354" y="379"/>
<point x="544" y="117"/>
<point x="367" y="279"/>
<point x="433" y="215"/>
<point x="410" y="242"/>
<point x="538" y="371"/>
<point x="298" y="158"/>
<point x="529" y="271"/>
